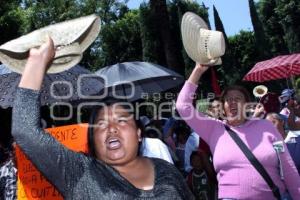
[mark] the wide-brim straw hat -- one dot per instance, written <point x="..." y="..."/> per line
<point x="202" y="45"/>
<point x="259" y="91"/>
<point x="71" y="38"/>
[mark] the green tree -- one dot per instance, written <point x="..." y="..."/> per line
<point x="219" y="25"/>
<point x="111" y="10"/>
<point x="227" y="60"/>
<point x="273" y="28"/>
<point x="181" y="8"/>
<point x="173" y="55"/>
<point x="261" y="40"/>
<point x="202" y="11"/>
<point x="288" y="12"/>
<point x="121" y="40"/>
<point x="243" y="48"/>
<point x="47" y="12"/>
<point x="11" y="17"/>
<point x="41" y="13"/>
<point x="152" y="46"/>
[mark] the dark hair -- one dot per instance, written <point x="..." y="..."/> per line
<point x="193" y="154"/>
<point x="211" y="100"/>
<point x="152" y="132"/>
<point x="216" y="98"/>
<point x="239" y="88"/>
<point x="95" y="110"/>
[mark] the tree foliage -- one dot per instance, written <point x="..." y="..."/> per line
<point x="121" y="40"/>
<point x="272" y="27"/>
<point x="41" y="13"/>
<point x="219" y="25"/>
<point x="151" y="42"/>
<point x="243" y="48"/>
<point x="153" y="45"/>
<point x="11" y="16"/>
<point x="288" y="12"/>
<point x="160" y="14"/>
<point x="152" y="33"/>
<point x="177" y="9"/>
<point x="228" y="60"/>
<point x="262" y="42"/>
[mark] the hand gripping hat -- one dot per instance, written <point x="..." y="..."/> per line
<point x="71" y="38"/>
<point x="202" y="45"/>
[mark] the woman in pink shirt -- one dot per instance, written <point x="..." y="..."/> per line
<point x="237" y="178"/>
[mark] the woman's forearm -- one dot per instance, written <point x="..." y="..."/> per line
<point x="197" y="73"/>
<point x="196" y="120"/>
<point x="33" y="75"/>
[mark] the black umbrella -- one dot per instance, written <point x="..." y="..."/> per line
<point x="4" y="69"/>
<point x="131" y="80"/>
<point x="59" y="87"/>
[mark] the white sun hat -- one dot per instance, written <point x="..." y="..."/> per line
<point x="71" y="38"/>
<point x="202" y="45"/>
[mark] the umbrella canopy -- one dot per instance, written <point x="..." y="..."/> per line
<point x="4" y="69"/>
<point x="60" y="87"/>
<point x="130" y="80"/>
<point x="276" y="68"/>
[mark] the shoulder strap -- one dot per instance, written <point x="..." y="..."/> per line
<point x="253" y="160"/>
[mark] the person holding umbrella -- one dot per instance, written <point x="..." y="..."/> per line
<point x="237" y="177"/>
<point x="113" y="169"/>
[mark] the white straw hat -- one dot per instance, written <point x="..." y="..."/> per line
<point x="260" y="91"/>
<point x="202" y="45"/>
<point x="71" y="38"/>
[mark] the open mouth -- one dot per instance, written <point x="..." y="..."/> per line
<point x="233" y="110"/>
<point x="113" y="143"/>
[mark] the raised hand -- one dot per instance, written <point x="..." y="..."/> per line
<point x="37" y="64"/>
<point x="259" y="110"/>
<point x="44" y="54"/>
<point x="201" y="68"/>
<point x="197" y="73"/>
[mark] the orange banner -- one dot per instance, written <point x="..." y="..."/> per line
<point x="31" y="183"/>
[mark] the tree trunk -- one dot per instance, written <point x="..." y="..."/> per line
<point x="173" y="55"/>
<point x="262" y="42"/>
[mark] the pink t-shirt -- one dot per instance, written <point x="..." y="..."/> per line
<point x="237" y="178"/>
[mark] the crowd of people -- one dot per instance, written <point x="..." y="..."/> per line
<point x="133" y="157"/>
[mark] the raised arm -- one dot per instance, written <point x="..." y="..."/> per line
<point x="197" y="73"/>
<point x="36" y="66"/>
<point x="200" y="123"/>
<point x="55" y="162"/>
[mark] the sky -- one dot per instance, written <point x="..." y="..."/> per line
<point x="234" y="14"/>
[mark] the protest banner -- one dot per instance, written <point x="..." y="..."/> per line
<point x="31" y="184"/>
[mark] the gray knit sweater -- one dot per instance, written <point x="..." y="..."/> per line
<point x="76" y="175"/>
